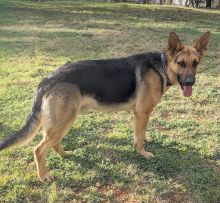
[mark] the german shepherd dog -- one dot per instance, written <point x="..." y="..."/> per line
<point x="133" y="83"/>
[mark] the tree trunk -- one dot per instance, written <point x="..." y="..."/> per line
<point x="208" y="3"/>
<point x="197" y="3"/>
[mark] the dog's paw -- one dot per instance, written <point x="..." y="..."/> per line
<point x="148" y="140"/>
<point x="147" y="154"/>
<point x="47" y="177"/>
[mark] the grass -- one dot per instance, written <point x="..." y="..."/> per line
<point x="36" y="38"/>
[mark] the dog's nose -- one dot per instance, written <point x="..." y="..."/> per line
<point x="190" y="80"/>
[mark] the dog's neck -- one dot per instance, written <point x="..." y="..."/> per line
<point x="164" y="62"/>
<point x="171" y="76"/>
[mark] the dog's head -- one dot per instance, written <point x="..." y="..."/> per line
<point x="183" y="61"/>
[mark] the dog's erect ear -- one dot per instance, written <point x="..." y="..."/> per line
<point x="174" y="44"/>
<point x="201" y="44"/>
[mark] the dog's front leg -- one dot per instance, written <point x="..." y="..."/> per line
<point x="140" y="123"/>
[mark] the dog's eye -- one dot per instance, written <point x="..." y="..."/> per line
<point x="195" y="63"/>
<point x="182" y="64"/>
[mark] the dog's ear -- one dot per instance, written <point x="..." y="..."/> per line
<point x="202" y="43"/>
<point x="174" y="44"/>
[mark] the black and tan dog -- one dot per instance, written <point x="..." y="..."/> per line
<point x="132" y="83"/>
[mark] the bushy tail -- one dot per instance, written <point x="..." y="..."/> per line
<point x="25" y="134"/>
<point x="31" y="127"/>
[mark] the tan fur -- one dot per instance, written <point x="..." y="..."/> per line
<point x="58" y="113"/>
<point x="178" y="52"/>
<point x="89" y="103"/>
<point x="149" y="94"/>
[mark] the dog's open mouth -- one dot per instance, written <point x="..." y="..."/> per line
<point x="187" y="90"/>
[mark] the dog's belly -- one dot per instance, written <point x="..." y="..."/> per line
<point x="89" y="103"/>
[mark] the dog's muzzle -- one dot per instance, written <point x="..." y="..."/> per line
<point x="186" y="84"/>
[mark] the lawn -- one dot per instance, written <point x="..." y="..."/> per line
<point x="36" y="38"/>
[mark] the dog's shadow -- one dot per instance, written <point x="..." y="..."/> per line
<point x="111" y="158"/>
<point x="172" y="160"/>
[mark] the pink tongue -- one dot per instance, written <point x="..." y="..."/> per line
<point x="187" y="91"/>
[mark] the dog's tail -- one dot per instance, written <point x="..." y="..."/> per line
<point x="30" y="129"/>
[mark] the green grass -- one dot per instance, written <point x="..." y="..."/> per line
<point x="36" y="38"/>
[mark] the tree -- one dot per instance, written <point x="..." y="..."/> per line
<point x="189" y="2"/>
<point x="208" y="3"/>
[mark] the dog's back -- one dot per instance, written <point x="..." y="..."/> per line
<point x="110" y="81"/>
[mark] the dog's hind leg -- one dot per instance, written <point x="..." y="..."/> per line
<point x="52" y="139"/>
<point x="40" y="153"/>
<point x="59" y="149"/>
<point x="59" y="111"/>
